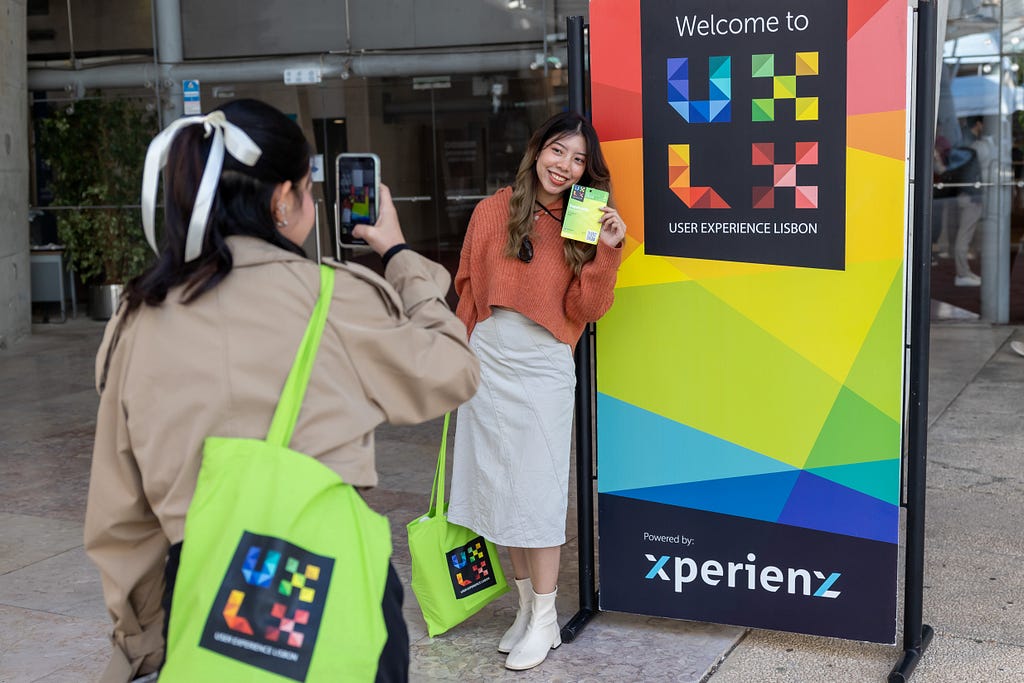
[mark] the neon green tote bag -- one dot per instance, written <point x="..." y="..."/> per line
<point x="283" y="564"/>
<point x="455" y="571"/>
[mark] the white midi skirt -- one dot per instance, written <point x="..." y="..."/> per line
<point x="510" y="476"/>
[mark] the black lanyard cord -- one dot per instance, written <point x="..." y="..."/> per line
<point x="548" y="211"/>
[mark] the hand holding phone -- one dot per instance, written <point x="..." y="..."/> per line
<point x="387" y="231"/>
<point x="358" y="193"/>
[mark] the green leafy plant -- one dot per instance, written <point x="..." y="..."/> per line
<point x="95" y="149"/>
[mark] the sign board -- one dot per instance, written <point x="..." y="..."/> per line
<point x="305" y="76"/>
<point x="750" y="373"/>
<point x="432" y="82"/>
<point x="190" y="94"/>
<point x="316" y="168"/>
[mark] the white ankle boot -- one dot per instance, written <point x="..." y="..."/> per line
<point x="541" y="636"/>
<point x="516" y="631"/>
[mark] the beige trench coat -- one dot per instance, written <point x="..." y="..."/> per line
<point x="392" y="351"/>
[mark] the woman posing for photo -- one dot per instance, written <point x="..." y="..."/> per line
<point x="525" y="295"/>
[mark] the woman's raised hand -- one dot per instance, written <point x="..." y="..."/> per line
<point x="613" y="228"/>
<point x="387" y="231"/>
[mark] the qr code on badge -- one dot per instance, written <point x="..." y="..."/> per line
<point x="591" y="235"/>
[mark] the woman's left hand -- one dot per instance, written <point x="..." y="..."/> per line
<point x="613" y="228"/>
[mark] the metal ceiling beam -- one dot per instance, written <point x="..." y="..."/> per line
<point x="170" y="75"/>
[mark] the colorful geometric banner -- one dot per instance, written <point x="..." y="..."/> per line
<point x="750" y="372"/>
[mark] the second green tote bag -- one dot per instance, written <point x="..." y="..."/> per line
<point x="455" y="571"/>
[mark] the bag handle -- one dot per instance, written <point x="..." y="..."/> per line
<point x="438" y="490"/>
<point x="290" y="403"/>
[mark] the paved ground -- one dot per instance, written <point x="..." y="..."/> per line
<point x="55" y="622"/>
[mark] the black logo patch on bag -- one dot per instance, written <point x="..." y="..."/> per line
<point x="268" y="610"/>
<point x="470" y="568"/>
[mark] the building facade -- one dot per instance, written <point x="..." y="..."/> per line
<point x="446" y="92"/>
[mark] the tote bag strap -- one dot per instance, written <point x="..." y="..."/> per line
<point x="290" y="403"/>
<point x="437" y="493"/>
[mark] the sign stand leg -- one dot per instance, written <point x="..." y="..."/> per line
<point x="584" y="392"/>
<point x="584" y="487"/>
<point x="916" y="634"/>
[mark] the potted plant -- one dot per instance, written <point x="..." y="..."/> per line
<point x="95" y="149"/>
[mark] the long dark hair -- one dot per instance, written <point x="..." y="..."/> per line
<point x="524" y="191"/>
<point x="241" y="206"/>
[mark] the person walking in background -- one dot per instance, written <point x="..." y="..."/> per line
<point x="941" y="198"/>
<point x="970" y="201"/>
<point x="205" y="338"/>
<point x="525" y="295"/>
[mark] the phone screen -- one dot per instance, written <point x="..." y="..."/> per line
<point x="358" y="181"/>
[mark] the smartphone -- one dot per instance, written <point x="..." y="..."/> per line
<point x="358" y="193"/>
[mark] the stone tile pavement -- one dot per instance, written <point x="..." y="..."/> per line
<point x="55" y="622"/>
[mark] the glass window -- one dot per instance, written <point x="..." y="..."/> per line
<point x="978" y="160"/>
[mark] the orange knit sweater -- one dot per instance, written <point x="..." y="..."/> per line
<point x="544" y="290"/>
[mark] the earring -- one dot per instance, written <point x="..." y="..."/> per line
<point x="281" y="221"/>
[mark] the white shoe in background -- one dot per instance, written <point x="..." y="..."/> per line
<point x="971" y="280"/>
<point x="1017" y="347"/>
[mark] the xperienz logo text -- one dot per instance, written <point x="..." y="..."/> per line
<point x="792" y="580"/>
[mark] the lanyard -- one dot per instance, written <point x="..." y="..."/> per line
<point x="547" y="211"/>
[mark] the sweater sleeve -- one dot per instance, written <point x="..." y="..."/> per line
<point x="591" y="294"/>
<point x="466" y="308"/>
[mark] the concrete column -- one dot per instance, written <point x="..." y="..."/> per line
<point x="170" y="52"/>
<point x="15" y="287"/>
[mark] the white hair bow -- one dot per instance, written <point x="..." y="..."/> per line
<point x="226" y="135"/>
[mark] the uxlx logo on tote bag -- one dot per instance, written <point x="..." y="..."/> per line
<point x="470" y="568"/>
<point x="271" y="602"/>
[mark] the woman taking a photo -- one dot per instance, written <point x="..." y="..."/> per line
<point x="205" y="338"/>
<point x="525" y="295"/>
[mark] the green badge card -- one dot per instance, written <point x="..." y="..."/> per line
<point x="583" y="214"/>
